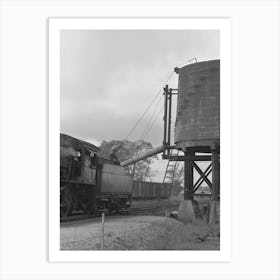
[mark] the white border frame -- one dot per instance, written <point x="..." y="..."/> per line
<point x="55" y="25"/>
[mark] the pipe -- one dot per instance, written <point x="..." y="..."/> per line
<point x="141" y="156"/>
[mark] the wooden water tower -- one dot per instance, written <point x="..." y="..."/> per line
<point x="197" y="126"/>
<point x="197" y="131"/>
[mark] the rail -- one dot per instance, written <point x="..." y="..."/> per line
<point x="131" y="211"/>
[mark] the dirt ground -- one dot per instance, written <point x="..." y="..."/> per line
<point x="143" y="203"/>
<point x="140" y="233"/>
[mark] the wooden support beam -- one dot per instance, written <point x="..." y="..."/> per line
<point x="200" y="180"/>
<point x="201" y="149"/>
<point x="201" y="174"/>
<point x="215" y="173"/>
<point x="188" y="191"/>
<point x="182" y="158"/>
<point x="201" y="158"/>
<point x="214" y="212"/>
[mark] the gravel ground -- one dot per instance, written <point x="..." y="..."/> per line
<point x="153" y="202"/>
<point x="140" y="233"/>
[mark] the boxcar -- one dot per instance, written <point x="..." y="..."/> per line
<point x="150" y="190"/>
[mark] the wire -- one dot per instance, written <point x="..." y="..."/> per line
<point x="151" y="118"/>
<point x="154" y="99"/>
<point x="148" y="131"/>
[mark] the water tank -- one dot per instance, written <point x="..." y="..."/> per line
<point x="198" y="107"/>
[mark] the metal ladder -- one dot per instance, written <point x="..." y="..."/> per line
<point x="171" y="168"/>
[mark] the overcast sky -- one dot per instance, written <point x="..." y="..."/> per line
<point x="109" y="78"/>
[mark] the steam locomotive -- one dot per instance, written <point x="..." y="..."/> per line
<point x="89" y="183"/>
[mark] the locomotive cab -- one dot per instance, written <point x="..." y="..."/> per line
<point x="78" y="163"/>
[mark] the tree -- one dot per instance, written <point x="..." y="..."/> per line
<point x="129" y="149"/>
<point x="178" y="183"/>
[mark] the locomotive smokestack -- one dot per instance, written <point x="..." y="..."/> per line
<point x="141" y="156"/>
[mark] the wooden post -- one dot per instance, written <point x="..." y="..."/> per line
<point x="215" y="173"/>
<point x="165" y="115"/>
<point x="186" y="210"/>
<point x="213" y="207"/>
<point x="102" y="222"/>
<point x="169" y="116"/>
<point x="165" y="241"/>
<point x="188" y="191"/>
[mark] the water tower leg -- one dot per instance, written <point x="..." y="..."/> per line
<point x="214" y="203"/>
<point x="186" y="211"/>
<point x="188" y="191"/>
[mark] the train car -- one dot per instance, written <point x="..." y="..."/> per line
<point x="115" y="186"/>
<point x="89" y="183"/>
<point x="150" y="190"/>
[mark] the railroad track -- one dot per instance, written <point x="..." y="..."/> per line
<point x="155" y="209"/>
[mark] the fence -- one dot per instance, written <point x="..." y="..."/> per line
<point x="121" y="233"/>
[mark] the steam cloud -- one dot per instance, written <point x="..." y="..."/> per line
<point x="66" y="152"/>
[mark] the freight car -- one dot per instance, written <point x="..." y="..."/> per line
<point x="89" y="183"/>
<point x="150" y="190"/>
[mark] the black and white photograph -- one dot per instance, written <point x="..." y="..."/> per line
<point x="140" y="140"/>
